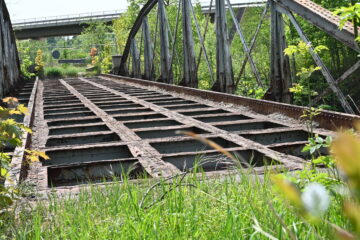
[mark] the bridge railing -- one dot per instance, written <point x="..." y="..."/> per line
<point x="205" y="4"/>
<point x="82" y="17"/>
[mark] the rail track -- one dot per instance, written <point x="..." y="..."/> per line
<point x="96" y="128"/>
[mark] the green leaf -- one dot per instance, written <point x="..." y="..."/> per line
<point x="306" y="148"/>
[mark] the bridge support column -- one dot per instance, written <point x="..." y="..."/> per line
<point x="136" y="72"/>
<point x="224" y="71"/>
<point x="190" y="74"/>
<point x="148" y="51"/>
<point x="280" y="77"/>
<point x="166" y="72"/>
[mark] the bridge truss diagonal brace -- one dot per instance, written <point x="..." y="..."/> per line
<point x="325" y="71"/>
<point x="252" y="44"/>
<point x="323" y="19"/>
<point x="246" y="48"/>
<point x="239" y="15"/>
<point x="148" y="6"/>
<point x="345" y="75"/>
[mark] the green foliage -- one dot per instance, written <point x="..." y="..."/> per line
<point x="39" y="63"/>
<point x="350" y="13"/>
<point x="308" y="117"/>
<point x="106" y="63"/>
<point x="98" y="39"/>
<point x="63" y="71"/>
<point x="250" y="89"/>
<point x="72" y="71"/>
<point x="316" y="143"/>
<point x="302" y="90"/>
<point x="315" y="199"/>
<point x="11" y="136"/>
<point x="53" y="72"/>
<point x="26" y="63"/>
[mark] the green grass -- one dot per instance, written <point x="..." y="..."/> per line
<point x="63" y="71"/>
<point x="211" y="209"/>
<point x="53" y="72"/>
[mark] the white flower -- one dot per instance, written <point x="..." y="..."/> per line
<point x="316" y="199"/>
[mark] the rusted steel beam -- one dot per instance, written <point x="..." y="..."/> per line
<point x="190" y="72"/>
<point x="224" y="70"/>
<point x="345" y="75"/>
<point x="280" y="79"/>
<point x="165" y="68"/>
<point x="239" y="15"/>
<point x="136" y="71"/>
<point x="252" y="44"/>
<point x="202" y="44"/>
<point x="245" y="46"/>
<point x="323" y="19"/>
<point x="148" y="6"/>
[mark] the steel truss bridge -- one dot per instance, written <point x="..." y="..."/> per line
<point x="94" y="128"/>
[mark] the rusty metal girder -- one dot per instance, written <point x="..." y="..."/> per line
<point x="323" y="19"/>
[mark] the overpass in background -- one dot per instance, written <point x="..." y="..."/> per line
<point x="61" y="25"/>
<point x="69" y="25"/>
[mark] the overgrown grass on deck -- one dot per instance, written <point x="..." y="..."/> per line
<point x="221" y="208"/>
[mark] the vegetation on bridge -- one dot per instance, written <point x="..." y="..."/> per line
<point x="244" y="206"/>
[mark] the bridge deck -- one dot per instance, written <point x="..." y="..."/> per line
<point x="93" y="129"/>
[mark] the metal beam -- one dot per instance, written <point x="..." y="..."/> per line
<point x="148" y="50"/>
<point x="136" y="72"/>
<point x="165" y="68"/>
<point x="346" y="74"/>
<point x="252" y="45"/>
<point x="246" y="48"/>
<point x="239" y="15"/>
<point x="224" y="71"/>
<point x="280" y="77"/>
<point x="148" y="6"/>
<point x="323" y="19"/>
<point x="202" y="44"/>
<point x="190" y="73"/>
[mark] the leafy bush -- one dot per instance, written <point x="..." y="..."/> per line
<point x="11" y="135"/>
<point x="54" y="72"/>
<point x="71" y="72"/>
<point x="39" y="63"/>
<point x="26" y="63"/>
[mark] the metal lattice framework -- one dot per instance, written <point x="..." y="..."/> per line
<point x="223" y="77"/>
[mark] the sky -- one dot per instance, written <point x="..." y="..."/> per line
<point x="25" y="9"/>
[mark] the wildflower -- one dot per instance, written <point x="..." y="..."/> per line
<point x="315" y="199"/>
